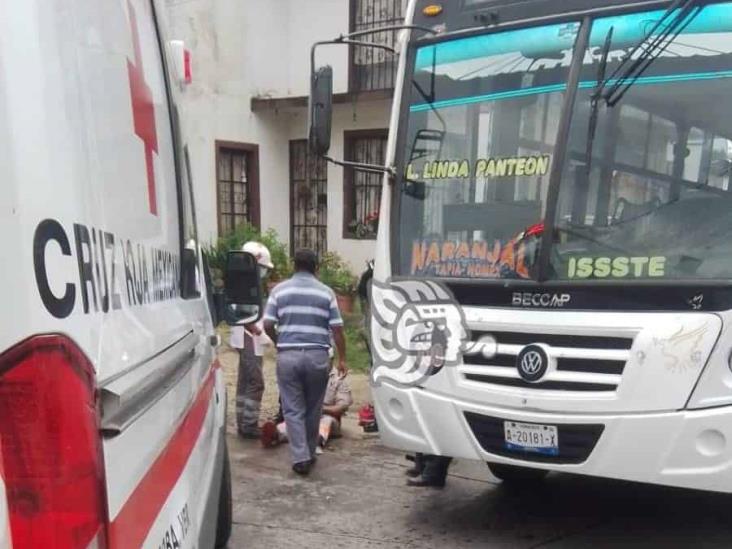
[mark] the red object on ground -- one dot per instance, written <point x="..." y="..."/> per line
<point x="367" y="418"/>
<point x="270" y="438"/>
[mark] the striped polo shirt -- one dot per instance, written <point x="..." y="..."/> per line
<point x="304" y="309"/>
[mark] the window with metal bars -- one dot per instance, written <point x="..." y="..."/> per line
<point x="374" y="68"/>
<point x="362" y="190"/>
<point x="308" y="199"/>
<point x="237" y="185"/>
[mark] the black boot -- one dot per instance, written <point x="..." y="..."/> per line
<point x="434" y="473"/>
<point x="418" y="467"/>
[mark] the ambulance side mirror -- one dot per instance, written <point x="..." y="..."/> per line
<point x="320" y="110"/>
<point x="243" y="294"/>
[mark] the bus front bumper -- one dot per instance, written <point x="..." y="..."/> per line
<point x="691" y="449"/>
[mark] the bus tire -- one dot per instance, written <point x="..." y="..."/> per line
<point x="516" y="475"/>
<point x="224" y="519"/>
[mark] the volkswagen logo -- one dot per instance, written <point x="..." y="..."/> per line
<point x="532" y="363"/>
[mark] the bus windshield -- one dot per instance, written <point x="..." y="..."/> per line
<point x="482" y="127"/>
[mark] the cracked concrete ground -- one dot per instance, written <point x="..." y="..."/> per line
<point x="356" y="498"/>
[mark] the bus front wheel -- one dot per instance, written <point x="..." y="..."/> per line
<point x="515" y="474"/>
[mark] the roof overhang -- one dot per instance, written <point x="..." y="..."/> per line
<point x="271" y="104"/>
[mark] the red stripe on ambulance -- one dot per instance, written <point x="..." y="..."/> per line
<point x="138" y="514"/>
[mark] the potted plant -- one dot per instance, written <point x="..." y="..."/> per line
<point x="366" y="228"/>
<point x="334" y="272"/>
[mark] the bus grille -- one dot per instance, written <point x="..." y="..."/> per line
<point x="581" y="362"/>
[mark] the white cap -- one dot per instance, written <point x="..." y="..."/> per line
<point x="260" y="252"/>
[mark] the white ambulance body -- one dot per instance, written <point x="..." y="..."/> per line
<point x="111" y="400"/>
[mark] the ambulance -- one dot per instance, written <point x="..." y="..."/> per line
<point x="112" y="403"/>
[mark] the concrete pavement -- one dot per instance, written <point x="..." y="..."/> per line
<point x="356" y="498"/>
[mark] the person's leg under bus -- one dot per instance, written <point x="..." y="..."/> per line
<point x="418" y="467"/>
<point x="434" y="473"/>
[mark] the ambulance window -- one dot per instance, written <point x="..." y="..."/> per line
<point x="190" y="270"/>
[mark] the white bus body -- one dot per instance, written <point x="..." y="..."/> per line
<point x="637" y="383"/>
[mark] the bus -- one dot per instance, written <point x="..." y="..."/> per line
<point x="552" y="289"/>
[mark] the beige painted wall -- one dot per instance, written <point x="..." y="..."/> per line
<point x="260" y="48"/>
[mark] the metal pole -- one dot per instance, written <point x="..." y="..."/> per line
<point x="560" y="149"/>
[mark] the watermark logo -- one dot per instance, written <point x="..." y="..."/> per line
<point x="417" y="329"/>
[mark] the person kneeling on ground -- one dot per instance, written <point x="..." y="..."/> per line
<point x="429" y="471"/>
<point x="335" y="404"/>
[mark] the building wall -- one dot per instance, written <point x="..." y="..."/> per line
<point x="362" y="116"/>
<point x="261" y="48"/>
<point x="322" y="20"/>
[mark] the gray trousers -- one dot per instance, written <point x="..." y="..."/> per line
<point x="249" y="388"/>
<point x="302" y="376"/>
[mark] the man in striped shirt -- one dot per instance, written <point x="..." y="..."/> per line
<point x="305" y="313"/>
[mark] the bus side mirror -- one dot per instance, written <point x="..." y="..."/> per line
<point x="242" y="289"/>
<point x="320" y="110"/>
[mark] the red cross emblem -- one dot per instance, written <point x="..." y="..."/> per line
<point x="143" y="111"/>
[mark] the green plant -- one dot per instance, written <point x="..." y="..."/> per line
<point x="366" y="228"/>
<point x="242" y="234"/>
<point x="358" y="357"/>
<point x="334" y="272"/>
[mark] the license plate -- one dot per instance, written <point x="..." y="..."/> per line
<point x="531" y="437"/>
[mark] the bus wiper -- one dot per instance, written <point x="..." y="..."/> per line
<point x="672" y="23"/>
<point x="679" y="15"/>
<point x="595" y="103"/>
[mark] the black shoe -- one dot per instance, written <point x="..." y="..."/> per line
<point x="302" y="468"/>
<point x="418" y="468"/>
<point x="422" y="482"/>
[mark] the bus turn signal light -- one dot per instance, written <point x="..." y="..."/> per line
<point x="433" y="10"/>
